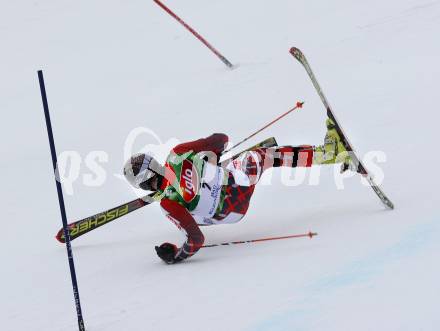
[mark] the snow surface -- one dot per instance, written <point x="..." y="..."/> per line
<point x="112" y="66"/>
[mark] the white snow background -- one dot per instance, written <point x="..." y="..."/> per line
<point x="112" y="66"/>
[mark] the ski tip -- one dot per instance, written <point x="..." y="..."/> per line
<point x="294" y="51"/>
<point x="59" y="237"/>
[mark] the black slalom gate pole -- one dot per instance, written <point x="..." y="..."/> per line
<point x="61" y="202"/>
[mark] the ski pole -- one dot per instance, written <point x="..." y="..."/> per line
<point x="195" y="34"/>
<point x="310" y="235"/>
<point x="298" y="105"/>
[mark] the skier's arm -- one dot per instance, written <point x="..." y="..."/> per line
<point x="215" y="143"/>
<point x="180" y="216"/>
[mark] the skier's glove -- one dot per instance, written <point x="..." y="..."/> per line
<point x="167" y="252"/>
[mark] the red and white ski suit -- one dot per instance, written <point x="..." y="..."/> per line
<point x="238" y="179"/>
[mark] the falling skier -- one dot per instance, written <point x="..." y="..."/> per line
<point x="197" y="191"/>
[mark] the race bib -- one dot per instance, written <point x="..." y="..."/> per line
<point x="209" y="191"/>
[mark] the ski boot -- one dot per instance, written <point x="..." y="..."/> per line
<point x="333" y="151"/>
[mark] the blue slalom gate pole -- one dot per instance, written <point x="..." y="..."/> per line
<point x="61" y="202"/>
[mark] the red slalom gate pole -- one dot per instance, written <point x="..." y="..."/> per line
<point x="310" y="235"/>
<point x="196" y="34"/>
<point x="298" y="105"/>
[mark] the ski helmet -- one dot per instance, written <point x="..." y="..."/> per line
<point x="140" y="170"/>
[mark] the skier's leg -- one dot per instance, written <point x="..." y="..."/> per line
<point x="331" y="152"/>
<point x="248" y="167"/>
<point x="236" y="201"/>
<point x="245" y="171"/>
<point x="286" y="156"/>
